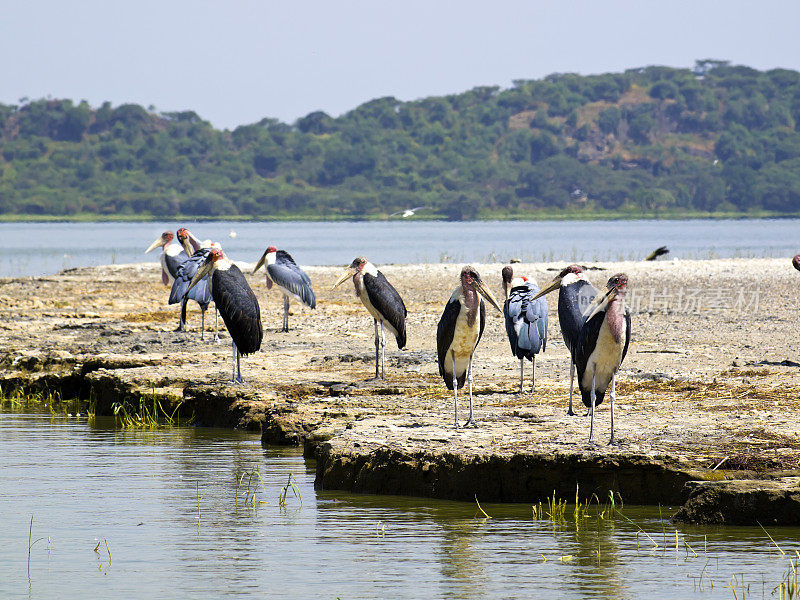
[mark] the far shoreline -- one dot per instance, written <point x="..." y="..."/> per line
<point x="537" y="216"/>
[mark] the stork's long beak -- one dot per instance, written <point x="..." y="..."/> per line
<point x="599" y="302"/>
<point x="553" y="285"/>
<point x="187" y="247"/>
<point x="260" y="262"/>
<point x="154" y="245"/>
<point x="201" y="272"/>
<point x="487" y="293"/>
<point x="344" y="277"/>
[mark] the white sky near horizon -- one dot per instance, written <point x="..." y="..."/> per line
<point x="239" y="61"/>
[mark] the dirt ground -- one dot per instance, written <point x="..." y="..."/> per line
<point x="712" y="370"/>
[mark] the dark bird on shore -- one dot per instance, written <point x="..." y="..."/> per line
<point x="526" y="321"/>
<point x="200" y="293"/>
<point x="172" y="256"/>
<point x="459" y="331"/>
<point x="237" y="304"/>
<point x="383" y="303"/>
<point x="796" y="262"/>
<point x="657" y="252"/>
<point x="602" y="346"/>
<point x="290" y="279"/>
<point x="574" y="296"/>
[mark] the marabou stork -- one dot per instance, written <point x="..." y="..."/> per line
<point x="191" y="244"/>
<point x="290" y="279"/>
<point x="383" y="303"/>
<point x="237" y="304"/>
<point x="459" y="331"/>
<point x="172" y="256"/>
<point x="200" y="293"/>
<point x="602" y="346"/>
<point x="796" y="262"/>
<point x="574" y="296"/>
<point x="526" y="321"/>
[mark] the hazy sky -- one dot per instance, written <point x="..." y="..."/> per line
<point x="236" y="61"/>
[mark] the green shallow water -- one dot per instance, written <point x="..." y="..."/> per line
<point x="138" y="490"/>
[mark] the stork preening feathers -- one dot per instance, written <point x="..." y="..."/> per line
<point x="602" y="346"/>
<point x="200" y="293"/>
<point x="459" y="331"/>
<point x="574" y="296"/>
<point x="383" y="303"/>
<point x="290" y="279"/>
<point x="237" y="304"/>
<point x="526" y="321"/>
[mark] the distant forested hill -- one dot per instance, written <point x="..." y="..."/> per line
<point x="655" y="140"/>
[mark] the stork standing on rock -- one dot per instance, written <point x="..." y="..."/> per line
<point x="459" y="331"/>
<point x="526" y="321"/>
<point x="236" y="303"/>
<point x="290" y="279"/>
<point x="383" y="303"/>
<point x="172" y="256"/>
<point x="602" y="346"/>
<point x="574" y="296"/>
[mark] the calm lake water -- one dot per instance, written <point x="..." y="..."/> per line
<point x="88" y="484"/>
<point x="44" y="248"/>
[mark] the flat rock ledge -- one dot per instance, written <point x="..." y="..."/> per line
<point x="742" y="502"/>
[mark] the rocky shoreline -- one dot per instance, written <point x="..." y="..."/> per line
<point x="711" y="380"/>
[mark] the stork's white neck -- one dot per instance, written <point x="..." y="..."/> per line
<point x="371" y="269"/>
<point x="271" y="258"/>
<point x="570" y="278"/>
<point x="519" y="281"/>
<point x="173" y="249"/>
<point x="223" y="264"/>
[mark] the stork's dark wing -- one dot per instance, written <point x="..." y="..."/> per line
<point x="239" y="308"/>
<point x="588" y="340"/>
<point x="572" y="301"/>
<point x="445" y="332"/>
<point x="536" y="319"/>
<point x="174" y="262"/>
<point x="510" y="312"/>
<point x="388" y="303"/>
<point x="483" y="323"/>
<point x="186" y="272"/>
<point x="288" y="275"/>
<point x="627" y="334"/>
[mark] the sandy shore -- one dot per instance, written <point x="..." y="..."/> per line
<point x="710" y="374"/>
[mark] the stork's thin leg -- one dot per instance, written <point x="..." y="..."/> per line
<point x="182" y="320"/>
<point x="216" y="324"/>
<point x="383" y="352"/>
<point x="202" y="322"/>
<point x="239" y="367"/>
<point x="285" y="314"/>
<point x="591" y="423"/>
<point x="521" y="373"/>
<point x="471" y="420"/>
<point x="533" y="374"/>
<point x="235" y="352"/>
<point x="571" y="385"/>
<point x="455" y="392"/>
<point x="377" y="351"/>
<point x="613" y="394"/>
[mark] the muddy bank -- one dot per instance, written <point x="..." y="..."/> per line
<point x="712" y="375"/>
